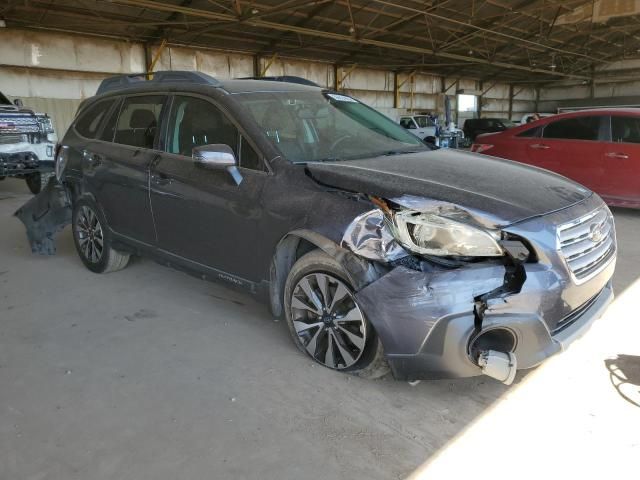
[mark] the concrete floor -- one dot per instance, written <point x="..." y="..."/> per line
<point x="151" y="374"/>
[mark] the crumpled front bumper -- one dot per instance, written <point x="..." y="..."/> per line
<point x="427" y="319"/>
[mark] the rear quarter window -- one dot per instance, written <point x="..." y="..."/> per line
<point x="88" y="124"/>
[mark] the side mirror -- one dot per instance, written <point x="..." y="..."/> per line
<point x="18" y="103"/>
<point x="217" y="157"/>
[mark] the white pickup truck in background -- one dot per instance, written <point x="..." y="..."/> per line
<point x="27" y="144"/>
<point x="422" y="126"/>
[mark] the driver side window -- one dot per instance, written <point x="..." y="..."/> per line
<point x="195" y="122"/>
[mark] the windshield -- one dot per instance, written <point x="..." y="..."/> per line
<point x="317" y="126"/>
<point x="4" y="100"/>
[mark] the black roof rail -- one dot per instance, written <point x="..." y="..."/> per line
<point x="118" y="82"/>
<point x="285" y="78"/>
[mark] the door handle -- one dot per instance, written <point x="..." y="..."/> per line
<point x="621" y="156"/>
<point x="160" y="179"/>
<point x="92" y="159"/>
<point x="540" y="146"/>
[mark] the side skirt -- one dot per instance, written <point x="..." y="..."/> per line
<point x="193" y="268"/>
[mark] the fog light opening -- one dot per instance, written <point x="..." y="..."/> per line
<point x="498" y="339"/>
<point x="492" y="350"/>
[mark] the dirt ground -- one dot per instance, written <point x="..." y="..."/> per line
<point x="149" y="373"/>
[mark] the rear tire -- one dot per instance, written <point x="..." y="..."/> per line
<point x="92" y="238"/>
<point x="325" y="320"/>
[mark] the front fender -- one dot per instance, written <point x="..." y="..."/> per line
<point x="361" y="270"/>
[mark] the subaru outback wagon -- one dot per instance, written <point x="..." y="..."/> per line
<point x="377" y="250"/>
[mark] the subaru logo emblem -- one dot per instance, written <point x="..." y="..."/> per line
<point x="595" y="233"/>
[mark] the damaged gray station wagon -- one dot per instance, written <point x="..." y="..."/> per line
<point x="377" y="250"/>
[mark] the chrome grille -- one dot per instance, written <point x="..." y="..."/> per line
<point x="588" y="243"/>
<point x="19" y="124"/>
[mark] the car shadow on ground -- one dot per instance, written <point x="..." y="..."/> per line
<point x="624" y="373"/>
<point x="235" y="370"/>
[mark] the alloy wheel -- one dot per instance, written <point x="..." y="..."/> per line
<point x="90" y="234"/>
<point x="328" y="321"/>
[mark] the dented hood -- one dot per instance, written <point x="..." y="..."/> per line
<point x="501" y="191"/>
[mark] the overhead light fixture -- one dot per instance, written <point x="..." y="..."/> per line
<point x="3" y="24"/>
<point x="255" y="11"/>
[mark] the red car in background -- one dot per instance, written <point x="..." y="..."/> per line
<point x="598" y="148"/>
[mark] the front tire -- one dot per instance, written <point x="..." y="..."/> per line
<point x="325" y="320"/>
<point x="93" y="239"/>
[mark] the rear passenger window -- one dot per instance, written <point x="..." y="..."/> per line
<point x="90" y="121"/>
<point x="625" y="129"/>
<point x="138" y="121"/>
<point x="576" y="128"/>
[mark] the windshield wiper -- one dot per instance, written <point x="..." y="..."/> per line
<point x="398" y="152"/>
<point x="358" y="157"/>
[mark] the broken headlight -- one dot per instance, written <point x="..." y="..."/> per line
<point x="45" y="124"/>
<point x="429" y="234"/>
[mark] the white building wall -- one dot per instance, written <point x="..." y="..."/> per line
<point x="53" y="72"/>
<point x="618" y="89"/>
<point x="616" y="79"/>
<point x="217" y="64"/>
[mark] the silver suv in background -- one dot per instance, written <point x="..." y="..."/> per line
<point x="27" y="143"/>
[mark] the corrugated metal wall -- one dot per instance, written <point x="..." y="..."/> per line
<point x="53" y="72"/>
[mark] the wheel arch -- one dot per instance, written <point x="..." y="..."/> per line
<point x="77" y="191"/>
<point x="299" y="242"/>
